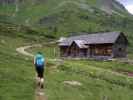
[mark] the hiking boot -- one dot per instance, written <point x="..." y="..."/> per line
<point x="38" y="84"/>
<point x="42" y="86"/>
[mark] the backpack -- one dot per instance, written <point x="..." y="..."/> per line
<point x="39" y="60"/>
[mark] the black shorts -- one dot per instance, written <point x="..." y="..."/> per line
<point x="40" y="71"/>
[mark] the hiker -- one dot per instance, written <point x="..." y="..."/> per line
<point x="39" y="63"/>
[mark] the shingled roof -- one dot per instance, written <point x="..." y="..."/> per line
<point x="97" y="38"/>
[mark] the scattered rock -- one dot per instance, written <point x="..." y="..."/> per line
<point x="26" y="59"/>
<point x="74" y="83"/>
<point x="3" y="41"/>
<point x="128" y="73"/>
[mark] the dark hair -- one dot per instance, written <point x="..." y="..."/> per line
<point x="39" y="53"/>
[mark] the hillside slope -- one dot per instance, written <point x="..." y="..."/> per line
<point x="26" y="11"/>
<point x="29" y="12"/>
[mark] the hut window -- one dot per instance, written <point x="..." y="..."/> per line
<point x="103" y="50"/>
<point x="120" y="49"/>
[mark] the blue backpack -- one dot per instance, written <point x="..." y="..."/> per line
<point x="40" y="60"/>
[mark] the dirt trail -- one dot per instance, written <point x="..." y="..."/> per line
<point x="39" y="93"/>
<point x="22" y="50"/>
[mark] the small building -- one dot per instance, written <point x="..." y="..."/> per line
<point x="100" y="46"/>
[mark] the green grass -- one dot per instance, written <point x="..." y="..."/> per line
<point x="98" y="84"/>
<point x="16" y="72"/>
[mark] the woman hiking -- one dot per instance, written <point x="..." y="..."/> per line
<point x="39" y="62"/>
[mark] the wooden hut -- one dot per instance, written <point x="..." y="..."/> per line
<point x="100" y="45"/>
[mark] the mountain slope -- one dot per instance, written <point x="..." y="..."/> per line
<point x="60" y="17"/>
<point x="26" y="11"/>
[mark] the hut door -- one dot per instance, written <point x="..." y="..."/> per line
<point x="83" y="52"/>
<point x="74" y="50"/>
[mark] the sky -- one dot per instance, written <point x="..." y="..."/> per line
<point x="128" y="5"/>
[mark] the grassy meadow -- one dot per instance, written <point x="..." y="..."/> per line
<point x="16" y="71"/>
<point x="97" y="84"/>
